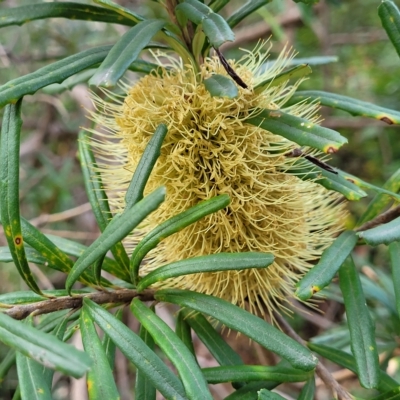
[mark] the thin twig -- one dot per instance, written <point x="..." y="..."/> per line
<point x="22" y="311"/>
<point x="320" y="370"/>
<point x="383" y="218"/>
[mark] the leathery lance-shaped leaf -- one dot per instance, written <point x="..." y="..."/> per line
<point x="209" y="263"/>
<point x="120" y="10"/>
<point x="298" y="130"/>
<point x="220" y="350"/>
<point x="393" y="394"/>
<point x="250" y="391"/>
<point x="322" y="274"/>
<point x="31" y="255"/>
<point x="346" y="360"/>
<point x="365" y="185"/>
<point x="214" y="26"/>
<point x="237" y="373"/>
<point x="305" y="170"/>
<point x="217" y="5"/>
<point x="26" y="296"/>
<point x="221" y="86"/>
<point x="390" y="17"/>
<point x="193" y="381"/>
<point x="240" y="320"/>
<point x="308" y="390"/>
<point x="125" y="52"/>
<point x="43" y="347"/>
<point x="145" y="166"/>
<point x="7" y="362"/>
<point x="70" y="10"/>
<point x="382" y="234"/>
<point x="173" y="225"/>
<point x="144" y="389"/>
<point x="100" y="380"/>
<point x="9" y="191"/>
<point x="77" y="249"/>
<point x="296" y="72"/>
<point x="109" y="345"/>
<point x="247" y="9"/>
<point x="115" y="231"/>
<point x="53" y="73"/>
<point x="98" y="198"/>
<point x="184" y="332"/>
<point x="361" y="327"/>
<point x="136" y="351"/>
<point x="217" y="346"/>
<point x="380" y="201"/>
<point x="394" y="251"/>
<point x="352" y="106"/>
<point x="31" y="379"/>
<point x="265" y="394"/>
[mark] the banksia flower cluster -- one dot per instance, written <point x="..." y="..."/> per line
<point x="210" y="150"/>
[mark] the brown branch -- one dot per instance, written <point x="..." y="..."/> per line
<point x="383" y="218"/>
<point x="320" y="370"/>
<point x="22" y="311"/>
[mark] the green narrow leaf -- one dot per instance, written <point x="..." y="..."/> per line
<point x="238" y="373"/>
<point x="298" y="130"/>
<point x="171" y="226"/>
<point x="115" y="231"/>
<point x="108" y="345"/>
<point x="217" y="346"/>
<point x="296" y="72"/>
<point x="247" y="9"/>
<point x="70" y="10"/>
<point x="9" y="191"/>
<point x="43" y="347"/>
<point x="305" y="170"/>
<point x="221" y="86"/>
<point x="352" y="106"/>
<point x="193" y="381"/>
<point x="361" y="327"/>
<point x="265" y="394"/>
<point x="100" y="380"/>
<point x="250" y="391"/>
<point x="98" y="198"/>
<point x="144" y="390"/>
<point x="32" y="383"/>
<point x="394" y="251"/>
<point x="322" y="274"/>
<point x="6" y="363"/>
<point x="308" y="391"/>
<point x="393" y="394"/>
<point x="209" y="263"/>
<point x="136" y="351"/>
<point x="214" y="26"/>
<point x="390" y="17"/>
<point x="145" y="166"/>
<point x="53" y="73"/>
<point x="184" y="332"/>
<point x="125" y="52"/>
<point x="382" y="234"/>
<point x="120" y="10"/>
<point x="380" y="201"/>
<point x="347" y="361"/>
<point x="240" y="320"/>
<point x="77" y="249"/>
<point x="217" y="5"/>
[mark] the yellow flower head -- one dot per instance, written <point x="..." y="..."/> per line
<point x="210" y="150"/>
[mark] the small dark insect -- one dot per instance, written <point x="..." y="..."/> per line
<point x="230" y="70"/>
<point x="299" y="153"/>
<point x="321" y="164"/>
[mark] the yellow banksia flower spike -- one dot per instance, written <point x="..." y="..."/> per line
<point x="210" y="150"/>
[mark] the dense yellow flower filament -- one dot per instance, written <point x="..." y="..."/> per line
<point x="210" y="150"/>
